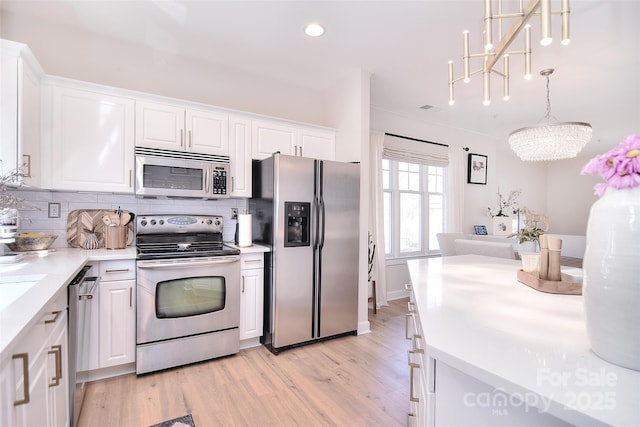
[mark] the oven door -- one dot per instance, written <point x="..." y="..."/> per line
<point x="187" y="296"/>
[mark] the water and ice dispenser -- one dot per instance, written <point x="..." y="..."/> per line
<point x="298" y="223"/>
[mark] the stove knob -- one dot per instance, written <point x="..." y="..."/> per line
<point x="153" y="222"/>
<point x="143" y="222"/>
<point x="209" y="222"/>
<point x="217" y="222"/>
<point x="161" y="221"/>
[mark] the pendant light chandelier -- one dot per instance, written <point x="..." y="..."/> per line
<point x="552" y="140"/>
<point x="496" y="48"/>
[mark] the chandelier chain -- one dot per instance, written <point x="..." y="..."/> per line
<point x="548" y="114"/>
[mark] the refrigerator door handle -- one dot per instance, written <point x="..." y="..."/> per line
<point x="322" y="228"/>
<point x="316" y="212"/>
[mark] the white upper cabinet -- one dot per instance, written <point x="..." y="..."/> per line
<point x="20" y="111"/>
<point x="240" y="156"/>
<point x="317" y="143"/>
<point x="272" y="136"/>
<point x="92" y="141"/>
<point x="173" y="127"/>
<point x="269" y="137"/>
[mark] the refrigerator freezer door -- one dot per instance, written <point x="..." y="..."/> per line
<point x="292" y="299"/>
<point x="339" y="255"/>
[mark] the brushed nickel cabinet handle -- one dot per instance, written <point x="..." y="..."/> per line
<point x="412" y="368"/>
<point x="181" y="137"/>
<point x="27" y="164"/>
<point x="55" y="317"/>
<point x="301" y="151"/>
<point x="411" y="307"/>
<point x="189" y="139"/>
<point x="130" y="297"/>
<point x="57" y="351"/>
<point x="130" y="178"/>
<point x="119" y="270"/>
<point x="406" y="325"/>
<point x="243" y="284"/>
<point x="25" y="378"/>
<point x="233" y="185"/>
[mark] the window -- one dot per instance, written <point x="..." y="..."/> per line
<point x="414" y="207"/>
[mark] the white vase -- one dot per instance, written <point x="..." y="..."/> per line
<point x="528" y="246"/>
<point x="611" y="283"/>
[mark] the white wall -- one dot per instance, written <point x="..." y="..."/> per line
<point x="348" y="111"/>
<point x="569" y="196"/>
<point x="65" y="52"/>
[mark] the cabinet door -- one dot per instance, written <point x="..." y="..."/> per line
<point x="92" y="141"/>
<point x="240" y="156"/>
<point x="207" y="132"/>
<point x="251" y="297"/>
<point x="117" y="322"/>
<point x="316" y="144"/>
<point x="19" y="113"/>
<point x="268" y="137"/>
<point x="29" y="373"/>
<point x="29" y="123"/>
<point x="57" y="373"/>
<point x="160" y="126"/>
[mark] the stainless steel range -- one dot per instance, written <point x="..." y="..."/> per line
<point x="188" y="291"/>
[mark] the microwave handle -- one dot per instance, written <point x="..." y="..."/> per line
<point x="206" y="180"/>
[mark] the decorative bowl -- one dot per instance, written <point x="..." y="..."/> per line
<point x="31" y="242"/>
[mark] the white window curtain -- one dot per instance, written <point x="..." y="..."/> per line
<point x="376" y="216"/>
<point x="406" y="150"/>
<point x="455" y="191"/>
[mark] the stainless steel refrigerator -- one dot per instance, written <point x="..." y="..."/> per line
<point x="307" y="211"/>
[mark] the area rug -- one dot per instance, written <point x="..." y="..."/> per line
<point x="185" y="421"/>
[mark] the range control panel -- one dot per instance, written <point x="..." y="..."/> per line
<point x="154" y="224"/>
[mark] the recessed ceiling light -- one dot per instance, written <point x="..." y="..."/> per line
<point x="314" y="30"/>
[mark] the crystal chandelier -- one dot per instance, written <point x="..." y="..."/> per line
<point x="550" y="140"/>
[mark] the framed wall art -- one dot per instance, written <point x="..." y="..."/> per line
<point x="481" y="230"/>
<point x="477" y="169"/>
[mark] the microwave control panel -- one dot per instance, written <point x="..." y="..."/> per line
<point x="219" y="181"/>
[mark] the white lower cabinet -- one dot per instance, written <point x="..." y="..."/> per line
<point x="251" y="295"/>
<point x="110" y="338"/>
<point x="33" y="372"/>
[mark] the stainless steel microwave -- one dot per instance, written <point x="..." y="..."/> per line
<point x="167" y="173"/>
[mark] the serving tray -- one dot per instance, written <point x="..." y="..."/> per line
<point x="549" y="286"/>
<point x="81" y="220"/>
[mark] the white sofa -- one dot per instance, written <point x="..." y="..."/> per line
<point x="475" y="247"/>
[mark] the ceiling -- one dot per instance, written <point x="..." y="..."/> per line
<point x="405" y="45"/>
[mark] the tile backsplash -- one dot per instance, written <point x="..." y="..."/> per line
<point x="35" y="218"/>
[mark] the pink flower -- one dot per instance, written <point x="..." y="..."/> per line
<point x="619" y="167"/>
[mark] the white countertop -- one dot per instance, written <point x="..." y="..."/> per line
<point x="27" y="286"/>
<point x="254" y="248"/>
<point x="477" y="318"/>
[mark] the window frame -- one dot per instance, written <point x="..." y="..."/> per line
<point x="394" y="221"/>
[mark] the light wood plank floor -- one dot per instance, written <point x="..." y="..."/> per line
<point x="350" y="381"/>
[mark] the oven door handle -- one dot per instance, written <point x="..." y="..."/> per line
<point x="187" y="262"/>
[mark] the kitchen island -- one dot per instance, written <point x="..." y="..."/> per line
<point x="493" y="351"/>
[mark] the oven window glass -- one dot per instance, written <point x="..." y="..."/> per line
<point x="170" y="177"/>
<point x="189" y="296"/>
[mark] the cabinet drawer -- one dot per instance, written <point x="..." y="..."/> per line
<point x="251" y="261"/>
<point x="117" y="270"/>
